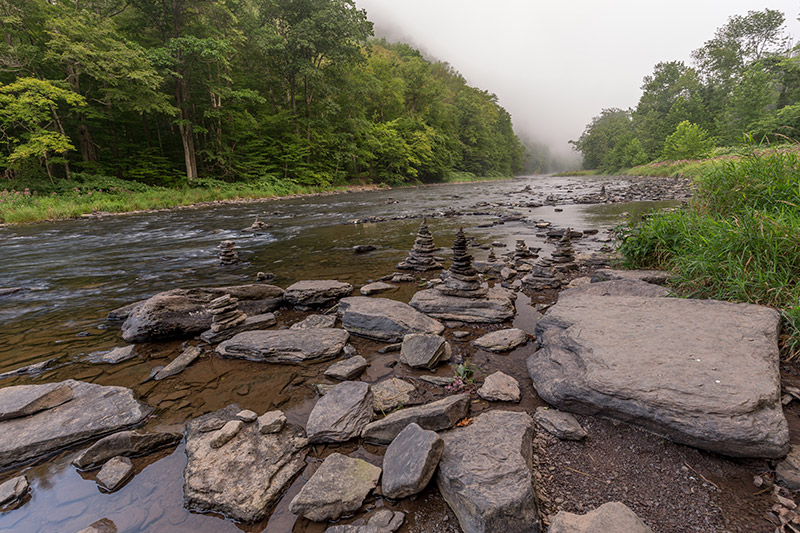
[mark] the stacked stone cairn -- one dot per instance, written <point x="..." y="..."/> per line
<point x="564" y="255"/>
<point x="421" y="256"/>
<point x="492" y="258"/>
<point x="462" y="279"/>
<point x="227" y="253"/>
<point x="225" y="313"/>
<point x="543" y="276"/>
<point x="521" y="251"/>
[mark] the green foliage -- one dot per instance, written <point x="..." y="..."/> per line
<point x="689" y="141"/>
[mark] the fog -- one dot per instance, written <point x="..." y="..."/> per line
<point x="555" y="65"/>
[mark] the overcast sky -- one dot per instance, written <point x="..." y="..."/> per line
<point x="555" y="64"/>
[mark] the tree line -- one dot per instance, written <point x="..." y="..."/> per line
<point x="167" y="92"/>
<point x="744" y="83"/>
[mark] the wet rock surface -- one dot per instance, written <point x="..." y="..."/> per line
<point x="113" y="356"/>
<point x="114" y="473"/>
<point x="285" y="346"/>
<point x="349" y="368"/>
<point x="124" y="443"/>
<point x="383" y="319"/>
<point x="13" y="490"/>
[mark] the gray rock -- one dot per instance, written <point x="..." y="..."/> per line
<point x="285" y="345"/>
<point x="461" y="334"/>
<point x="224" y="480"/>
<point x="124" y="443"/>
<point x="315" y="293"/>
<point x="658" y="277"/>
<point x="436" y="416"/>
<point x="181" y="313"/>
<point x="271" y="422"/>
<point x="226" y="433"/>
<point x="341" y="414"/>
<point x="673" y="366"/>
<point x="410" y="461"/>
<point x="25" y="400"/>
<point x="439" y="381"/>
<point x="484" y="474"/>
<point x="4" y="291"/>
<point x="559" y="424"/>
<point x="612" y="516"/>
<point x="424" y="350"/>
<point x="788" y="470"/>
<point x="622" y="287"/>
<point x="251" y="323"/>
<point x="315" y="321"/>
<point x="179" y="364"/>
<point x="375" y="288"/>
<point x="383" y="319"/>
<point x="13" y="490"/>
<point x="339" y="486"/>
<point x="381" y="521"/>
<point x="31" y="370"/>
<point x="390" y="394"/>
<point x="350" y="368"/>
<point x="500" y="387"/>
<point x="122" y="313"/>
<point x="104" y="525"/>
<point x="212" y="424"/>
<point x="502" y="340"/>
<point x="113" y="356"/>
<point x="496" y="306"/>
<point x="247" y="416"/>
<point x="114" y="473"/>
<point x="93" y="410"/>
<point x="322" y="388"/>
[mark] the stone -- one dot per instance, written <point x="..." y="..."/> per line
<point x="257" y="226"/>
<point x="338" y="487"/>
<point x="424" y="350"/>
<point x="113" y="356"/>
<point x="350" y="368"/>
<point x="286" y="345"/>
<point x="341" y="414"/>
<point x="316" y="293"/>
<point x="672" y="366"/>
<point x="383" y="319"/>
<point x="435" y="416"/>
<point x="227" y="253"/>
<point x="179" y="364"/>
<point x="461" y="279"/>
<point x="315" y="321"/>
<point x="124" y="443"/>
<point x="611" y="516"/>
<point x="93" y="410"/>
<point x="496" y="305"/>
<point x="485" y="476"/>
<point x="247" y="416"/>
<point x="364" y="248"/>
<point x="390" y="394"/>
<point x="104" y="525"/>
<point x="271" y="422"/>
<point x="226" y="433"/>
<point x="622" y="287"/>
<point x="224" y="480"/>
<point x="182" y="313"/>
<point x="375" y="288"/>
<point x="788" y="470"/>
<point x="25" y="400"/>
<point x="501" y="340"/>
<point x="225" y="313"/>
<point x="122" y="313"/>
<point x="212" y="424"/>
<point x="657" y="277"/>
<point x="250" y="323"/>
<point x="322" y="388"/>
<point x="13" y="490"/>
<point x="114" y="473"/>
<point x="500" y="387"/>
<point x="421" y="257"/>
<point x="410" y="461"/>
<point x="381" y="521"/>
<point x="559" y="424"/>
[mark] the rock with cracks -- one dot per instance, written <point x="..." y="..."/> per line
<point x="410" y="461"/>
<point x="114" y="473"/>
<point x="13" y="490"/>
<point x="383" y="319"/>
<point x="435" y="416"/>
<point x="349" y="368"/>
<point x="612" y="516"/>
<point x="341" y="414"/>
<point x="24" y="400"/>
<point x="500" y="387"/>
<point x="424" y="350"/>
<point x="502" y="340"/>
<point x="339" y="486"/>
<point x="316" y="293"/>
<point x="700" y="372"/>
<point x="496" y="306"/>
<point x="285" y="345"/>
<point x="559" y="424"/>
<point x="484" y="474"/>
<point x="243" y="479"/>
<point x="124" y="443"/>
<point x="381" y="521"/>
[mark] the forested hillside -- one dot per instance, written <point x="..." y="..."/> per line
<point x="169" y="92"/>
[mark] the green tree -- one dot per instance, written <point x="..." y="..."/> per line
<point x="602" y="135"/>
<point x="689" y="141"/>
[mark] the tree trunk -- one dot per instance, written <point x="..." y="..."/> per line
<point x="87" y="144"/>
<point x="185" y="128"/>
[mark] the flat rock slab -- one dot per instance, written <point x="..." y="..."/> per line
<point x="424" y="350"/>
<point x="316" y="293"/>
<point x="286" y="345"/>
<point x="612" y="516"/>
<point x="339" y="486"/>
<point x="341" y="414"/>
<point x="410" y="461"/>
<point x="502" y="340"/>
<point x="484" y="474"/>
<point x="13" y="490"/>
<point x="383" y="319"/>
<point x="435" y="416"/>
<point x="700" y="372"/>
<point x="25" y="400"/>
<point x="559" y="424"/>
<point x="251" y="323"/>
<point x="114" y="473"/>
<point x="179" y="364"/>
<point x="496" y="306"/>
<point x="315" y="321"/>
<point x="124" y="443"/>
<point x="349" y="368"/>
<point x="500" y="387"/>
<point x="244" y="478"/>
<point x="659" y="277"/>
<point x="93" y="410"/>
<point x="113" y="356"/>
<point x="391" y="393"/>
<point x="622" y="287"/>
<point x="375" y="288"/>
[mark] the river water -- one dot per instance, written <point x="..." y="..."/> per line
<point x="77" y="271"/>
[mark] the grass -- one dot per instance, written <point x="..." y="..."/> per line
<point x="567" y="173"/>
<point x="738" y="240"/>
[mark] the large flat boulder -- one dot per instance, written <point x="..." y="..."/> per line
<point x="659" y="277"/>
<point x="435" y="416"/>
<point x="286" y="345"/>
<point x="700" y="372"/>
<point x="93" y="410"/>
<point x="485" y="474"/>
<point x="24" y="400"/>
<point x="181" y="313"/>
<point x="496" y="306"/>
<point x="383" y="319"/>
<point x="315" y="293"/>
<point x="243" y="478"/>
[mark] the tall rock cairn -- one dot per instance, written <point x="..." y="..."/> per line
<point x="227" y="253"/>
<point x="564" y="255"/>
<point x="421" y="256"/>
<point x="462" y="279"/>
<point x="225" y="313"/>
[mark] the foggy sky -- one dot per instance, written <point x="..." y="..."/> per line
<point x="556" y="64"/>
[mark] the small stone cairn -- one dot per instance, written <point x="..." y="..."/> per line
<point x="257" y="225"/>
<point x="462" y="279"/>
<point x="521" y="250"/>
<point x="225" y="313"/>
<point x="564" y="255"/>
<point x="227" y="253"/>
<point x="543" y="276"/>
<point x="421" y="256"/>
<point x="492" y="258"/>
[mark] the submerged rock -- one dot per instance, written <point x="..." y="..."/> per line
<point x="383" y="319"/>
<point x="13" y="490"/>
<point x="179" y="364"/>
<point x="316" y="293"/>
<point x="410" y="461"/>
<point x="436" y="416"/>
<point x="124" y="443"/>
<point x="113" y="356"/>
<point x="114" y="473"/>
<point x="375" y="288"/>
<point x="285" y="345"/>
<point x="612" y="516"/>
<point x="341" y="414"/>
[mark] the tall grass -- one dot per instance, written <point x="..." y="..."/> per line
<point x="738" y="240"/>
